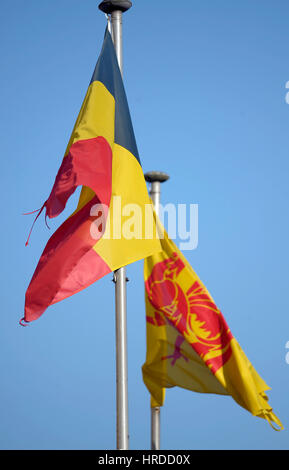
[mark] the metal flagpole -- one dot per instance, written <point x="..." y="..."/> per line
<point x="156" y="178"/>
<point x="116" y="9"/>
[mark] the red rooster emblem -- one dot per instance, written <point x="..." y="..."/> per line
<point x="193" y="313"/>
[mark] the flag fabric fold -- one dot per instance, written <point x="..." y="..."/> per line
<point x="102" y="157"/>
<point x="189" y="343"/>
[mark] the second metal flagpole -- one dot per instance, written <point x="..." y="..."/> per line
<point x="156" y="178"/>
<point x="115" y="9"/>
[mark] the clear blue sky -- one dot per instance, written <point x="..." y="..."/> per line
<point x="206" y="88"/>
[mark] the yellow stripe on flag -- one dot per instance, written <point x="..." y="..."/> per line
<point x="94" y="121"/>
<point x="128" y="183"/>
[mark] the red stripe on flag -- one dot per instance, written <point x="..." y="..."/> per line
<point x="88" y="163"/>
<point x="68" y="263"/>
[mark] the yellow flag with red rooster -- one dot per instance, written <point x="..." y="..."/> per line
<point x="189" y="343"/>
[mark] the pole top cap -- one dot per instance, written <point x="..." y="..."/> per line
<point x="153" y="176"/>
<point x="108" y="6"/>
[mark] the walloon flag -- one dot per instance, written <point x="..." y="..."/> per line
<point x="189" y="343"/>
<point x="102" y="157"/>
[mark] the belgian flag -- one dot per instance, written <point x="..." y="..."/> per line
<point x="102" y="157"/>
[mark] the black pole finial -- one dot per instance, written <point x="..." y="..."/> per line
<point x="108" y="6"/>
<point x="153" y="176"/>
